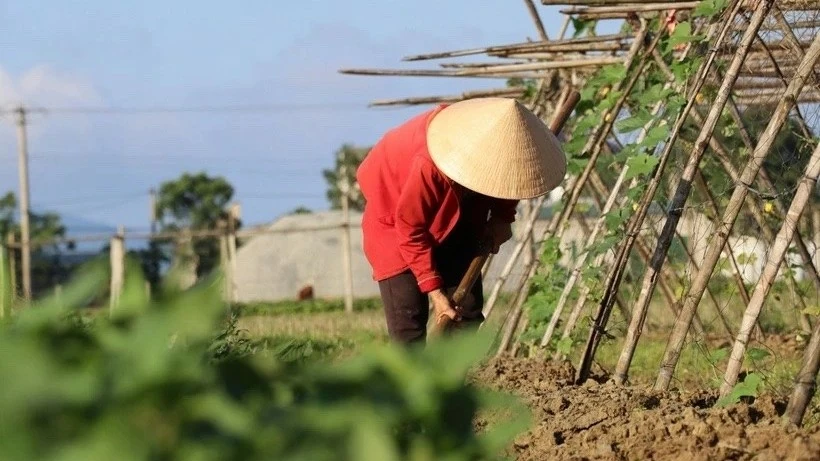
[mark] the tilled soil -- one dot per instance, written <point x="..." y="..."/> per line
<point x="599" y="420"/>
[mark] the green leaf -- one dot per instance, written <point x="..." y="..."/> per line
<point x="656" y="135"/>
<point x="371" y="441"/>
<point x="653" y="94"/>
<point x="683" y="34"/>
<point x="635" y="122"/>
<point x="640" y="165"/>
<point x="613" y="73"/>
<point x="615" y="219"/>
<point x="709" y="8"/>
<point x="757" y="354"/>
<point x="581" y="26"/>
<point x="747" y="388"/>
<point x="564" y="346"/>
<point x="813" y="310"/>
<point x="718" y="355"/>
<point x="576" y="165"/>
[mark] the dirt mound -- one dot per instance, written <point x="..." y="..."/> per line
<point x="605" y="421"/>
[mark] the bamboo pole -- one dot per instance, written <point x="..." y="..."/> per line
<point x="683" y="190"/>
<point x="500" y="92"/>
<point x="530" y="221"/>
<point x="750" y="171"/>
<point x="488" y="70"/>
<point x="484" y="64"/>
<point x="5" y="287"/>
<point x="575" y="313"/>
<point x="766" y="182"/>
<point x="514" y="318"/>
<point x="580" y="262"/>
<point x="773" y="261"/>
<point x="602" y="16"/>
<point x="615" y="275"/>
<point x="117" y="256"/>
<point x="598" y="138"/>
<point x="11" y="244"/>
<point x="536" y="19"/>
<point x="666" y="289"/>
<point x="515" y="46"/>
<point x="549" y="49"/>
<point x="607" y="2"/>
<point x="806" y="380"/>
<point x="631" y="8"/>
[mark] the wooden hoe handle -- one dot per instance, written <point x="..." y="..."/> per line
<point x="478" y="261"/>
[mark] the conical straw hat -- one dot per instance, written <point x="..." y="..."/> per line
<point x="496" y="147"/>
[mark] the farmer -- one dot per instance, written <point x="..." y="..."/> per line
<point x="437" y="186"/>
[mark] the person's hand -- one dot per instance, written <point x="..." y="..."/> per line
<point x="498" y="232"/>
<point x="442" y="307"/>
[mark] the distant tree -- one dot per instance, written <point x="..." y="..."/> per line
<point x="530" y="87"/>
<point x="7" y="205"/>
<point x="349" y="157"/>
<point x="195" y="202"/>
<point x="301" y="210"/>
<point x="47" y="266"/>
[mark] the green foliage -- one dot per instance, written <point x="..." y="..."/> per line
<point x="756" y="354"/>
<point x="581" y="26"/>
<point x="301" y="210"/>
<point x="747" y="388"/>
<point x="347" y="161"/>
<point x="641" y="164"/>
<point x="305" y="306"/>
<point x="176" y="380"/>
<point x="194" y="201"/>
<point x="530" y="87"/>
<point x="709" y="8"/>
<point x="47" y="265"/>
<point x="564" y="346"/>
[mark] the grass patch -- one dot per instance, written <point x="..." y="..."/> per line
<point x="289" y="307"/>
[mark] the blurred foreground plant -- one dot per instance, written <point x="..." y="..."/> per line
<point x="162" y="381"/>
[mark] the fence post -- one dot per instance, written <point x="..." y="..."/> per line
<point x="235" y="215"/>
<point x="5" y="295"/>
<point x="225" y="264"/>
<point x="117" y="254"/>
<point x="58" y="294"/>
<point x="344" y="188"/>
<point x="12" y="267"/>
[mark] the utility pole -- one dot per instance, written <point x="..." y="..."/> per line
<point x="344" y="188"/>
<point x="234" y="215"/>
<point x="153" y="214"/>
<point x="22" y="166"/>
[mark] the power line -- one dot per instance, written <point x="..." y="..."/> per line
<point x="250" y="108"/>
<point x="90" y="200"/>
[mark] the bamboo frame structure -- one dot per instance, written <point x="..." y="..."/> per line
<point x="768" y="46"/>
<point x="773" y="261"/>
<point x="692" y="298"/>
<point x="622" y="257"/>
<point x="684" y="187"/>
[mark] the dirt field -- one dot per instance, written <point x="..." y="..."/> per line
<point x="599" y="420"/>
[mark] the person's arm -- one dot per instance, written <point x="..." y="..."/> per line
<point x="417" y="206"/>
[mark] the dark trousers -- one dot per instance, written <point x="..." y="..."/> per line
<point x="407" y="309"/>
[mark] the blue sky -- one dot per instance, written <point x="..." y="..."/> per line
<point x="205" y="53"/>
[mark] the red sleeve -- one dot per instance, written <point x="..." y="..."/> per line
<point x="417" y="206"/>
<point x="503" y="210"/>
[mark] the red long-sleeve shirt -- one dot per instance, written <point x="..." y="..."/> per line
<point x="411" y="206"/>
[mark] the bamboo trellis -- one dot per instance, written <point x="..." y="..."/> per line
<point x="758" y="55"/>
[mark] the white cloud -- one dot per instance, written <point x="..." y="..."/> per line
<point x="43" y="85"/>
